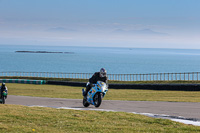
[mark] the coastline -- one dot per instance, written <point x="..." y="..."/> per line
<point x="44" y="52"/>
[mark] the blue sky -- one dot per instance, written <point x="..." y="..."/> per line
<point x="101" y="23"/>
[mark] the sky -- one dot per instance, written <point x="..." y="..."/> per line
<point x="101" y="23"/>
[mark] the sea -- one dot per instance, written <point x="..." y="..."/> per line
<point x="91" y="59"/>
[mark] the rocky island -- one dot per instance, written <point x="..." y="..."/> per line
<point x="44" y="52"/>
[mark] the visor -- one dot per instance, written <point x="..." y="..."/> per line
<point x="103" y="74"/>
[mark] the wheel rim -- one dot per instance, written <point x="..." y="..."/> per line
<point x="96" y="99"/>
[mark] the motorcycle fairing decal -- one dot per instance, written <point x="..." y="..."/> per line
<point x="93" y="91"/>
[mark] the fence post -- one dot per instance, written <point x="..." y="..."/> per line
<point x="160" y="76"/>
<point x="150" y="76"/>
<point x="176" y="76"/>
<point x="193" y="76"/>
<point x="153" y="76"/>
<point x="164" y="76"/>
<point x="184" y="76"/>
<point x="168" y="76"/>
<point x="157" y="76"/>
<point x="172" y="76"/>
<point x="188" y="76"/>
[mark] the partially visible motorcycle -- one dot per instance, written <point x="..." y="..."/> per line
<point x="3" y="96"/>
<point x="95" y="94"/>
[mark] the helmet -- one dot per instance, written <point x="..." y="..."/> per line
<point x="103" y="72"/>
<point x="3" y="85"/>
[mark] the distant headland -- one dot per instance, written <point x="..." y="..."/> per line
<point x="44" y="52"/>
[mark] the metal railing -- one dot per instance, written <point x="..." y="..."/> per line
<point x="188" y="76"/>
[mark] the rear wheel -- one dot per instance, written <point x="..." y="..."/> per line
<point x="85" y="103"/>
<point x="97" y="99"/>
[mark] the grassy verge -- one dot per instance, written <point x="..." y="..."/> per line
<point x="113" y="94"/>
<point x="110" y="81"/>
<point x="15" y="118"/>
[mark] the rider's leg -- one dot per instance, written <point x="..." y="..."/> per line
<point x="88" y="87"/>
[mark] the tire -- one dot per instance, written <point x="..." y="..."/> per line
<point x="97" y="99"/>
<point x="85" y="103"/>
<point x="3" y="100"/>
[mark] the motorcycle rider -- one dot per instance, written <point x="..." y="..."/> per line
<point x="97" y="76"/>
<point x="3" y="88"/>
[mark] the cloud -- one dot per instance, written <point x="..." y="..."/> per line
<point x="60" y="29"/>
<point x="139" y="32"/>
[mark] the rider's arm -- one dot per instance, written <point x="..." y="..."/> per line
<point x="93" y="78"/>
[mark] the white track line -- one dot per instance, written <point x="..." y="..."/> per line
<point x="163" y="116"/>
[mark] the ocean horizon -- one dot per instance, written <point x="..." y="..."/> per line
<point x="116" y="60"/>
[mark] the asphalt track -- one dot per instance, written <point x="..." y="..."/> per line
<point x="182" y="110"/>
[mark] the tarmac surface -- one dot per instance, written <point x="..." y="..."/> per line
<point x="182" y="110"/>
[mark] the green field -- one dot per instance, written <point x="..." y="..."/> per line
<point x="69" y="92"/>
<point x="22" y="119"/>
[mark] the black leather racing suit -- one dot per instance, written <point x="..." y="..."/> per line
<point x="93" y="80"/>
<point x="3" y="88"/>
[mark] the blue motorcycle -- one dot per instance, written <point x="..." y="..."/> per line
<point x="95" y="94"/>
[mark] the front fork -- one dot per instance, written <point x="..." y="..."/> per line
<point x="83" y="90"/>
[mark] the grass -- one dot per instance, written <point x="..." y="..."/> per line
<point x="15" y="118"/>
<point x="69" y="92"/>
<point x="21" y="119"/>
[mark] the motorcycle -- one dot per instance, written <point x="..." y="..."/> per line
<point x="95" y="94"/>
<point x="3" y="96"/>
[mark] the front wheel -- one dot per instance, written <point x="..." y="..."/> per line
<point x="3" y="100"/>
<point x="97" y="99"/>
<point x="85" y="103"/>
